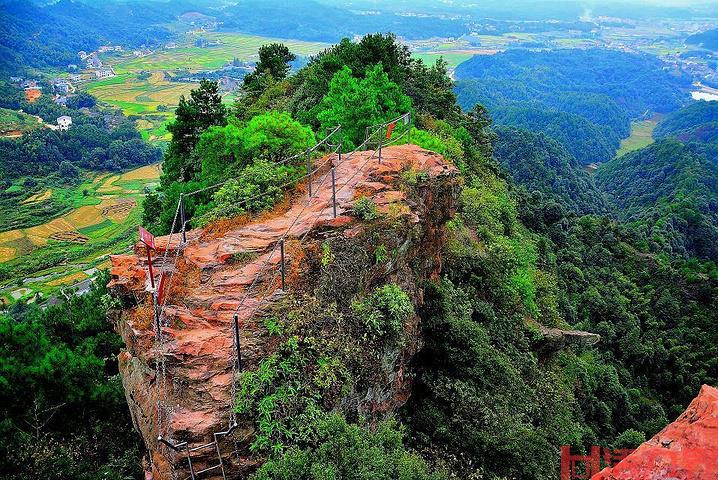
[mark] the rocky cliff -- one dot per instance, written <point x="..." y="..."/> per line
<point x="687" y="449"/>
<point x="182" y="386"/>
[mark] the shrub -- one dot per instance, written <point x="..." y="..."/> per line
<point x="365" y="209"/>
<point x="342" y="451"/>
<point x="385" y="310"/>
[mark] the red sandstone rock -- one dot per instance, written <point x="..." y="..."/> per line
<point x="195" y="390"/>
<point x="687" y="449"/>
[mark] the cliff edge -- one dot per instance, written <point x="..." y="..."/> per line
<point x="687" y="449"/>
<point x="183" y="385"/>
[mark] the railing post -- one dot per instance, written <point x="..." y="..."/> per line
<point x="381" y="141"/>
<point x="408" y="139"/>
<point x="183" y="218"/>
<point x="236" y="343"/>
<point x="334" y="191"/>
<point x="155" y="308"/>
<point x="309" y="171"/>
<point x="281" y="255"/>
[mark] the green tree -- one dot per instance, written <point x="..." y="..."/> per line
<point x="273" y="62"/>
<point x="202" y="110"/>
<point x="342" y="451"/>
<point x="356" y="104"/>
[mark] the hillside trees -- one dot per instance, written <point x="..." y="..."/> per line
<point x="194" y="115"/>
<point x="273" y="62"/>
<point x="61" y="395"/>
<point x="357" y="104"/>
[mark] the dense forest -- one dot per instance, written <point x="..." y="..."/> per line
<point x="585" y="99"/>
<point x="668" y="191"/>
<point x="33" y="36"/>
<point x="63" y="406"/>
<point x="707" y="39"/>
<point x="541" y="165"/>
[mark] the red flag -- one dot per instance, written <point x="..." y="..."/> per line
<point x="161" y="289"/>
<point x="147" y="238"/>
<point x="389" y="129"/>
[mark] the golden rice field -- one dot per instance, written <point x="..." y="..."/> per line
<point x="38" y="197"/>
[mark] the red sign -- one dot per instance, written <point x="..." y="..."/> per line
<point x="147" y="238"/>
<point x="161" y="289"/>
<point x="389" y="129"/>
<point x="578" y="467"/>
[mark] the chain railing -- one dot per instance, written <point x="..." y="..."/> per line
<point x="381" y="133"/>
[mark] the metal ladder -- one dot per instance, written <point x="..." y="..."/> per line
<point x="184" y="447"/>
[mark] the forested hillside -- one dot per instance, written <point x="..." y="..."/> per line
<point x="37" y="37"/>
<point x="707" y="39"/>
<point x="668" y="192"/>
<point x="540" y="164"/>
<point x="695" y="122"/>
<point x="582" y="98"/>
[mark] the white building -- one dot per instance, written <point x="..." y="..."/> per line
<point x="64" y="122"/>
<point x="104" y="73"/>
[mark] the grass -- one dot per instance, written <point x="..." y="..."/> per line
<point x="16" y="122"/>
<point x="641" y="136"/>
<point x="452" y="59"/>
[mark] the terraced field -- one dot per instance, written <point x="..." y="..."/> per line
<point x="140" y="97"/>
<point x="104" y="222"/>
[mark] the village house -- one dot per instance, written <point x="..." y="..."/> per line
<point x="75" y="77"/>
<point x="64" y="123"/>
<point x="93" y="61"/>
<point x="82" y="54"/>
<point x="104" y="73"/>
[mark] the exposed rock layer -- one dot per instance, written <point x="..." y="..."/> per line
<point x="191" y="373"/>
<point x="687" y="449"/>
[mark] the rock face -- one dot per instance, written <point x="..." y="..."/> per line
<point x="181" y="387"/>
<point x="687" y="449"/>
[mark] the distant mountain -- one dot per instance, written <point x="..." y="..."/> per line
<point x="695" y="125"/>
<point x="540" y="163"/>
<point x="667" y="191"/>
<point x="707" y="39"/>
<point x="312" y="20"/>
<point x="588" y="142"/>
<point x="582" y="98"/>
<point x="33" y="36"/>
<point x="518" y="75"/>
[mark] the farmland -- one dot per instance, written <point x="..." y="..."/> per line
<point x="641" y="136"/>
<point x="151" y="99"/>
<point x="102" y="217"/>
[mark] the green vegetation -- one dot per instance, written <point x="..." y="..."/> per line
<point x="666" y="191"/>
<point x="641" y="136"/>
<point x="12" y="122"/>
<point x="377" y="454"/>
<point x="63" y="407"/>
<point x="542" y="165"/>
<point x="565" y="94"/>
<point x="690" y="122"/>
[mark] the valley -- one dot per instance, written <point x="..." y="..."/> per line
<point x="484" y="267"/>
